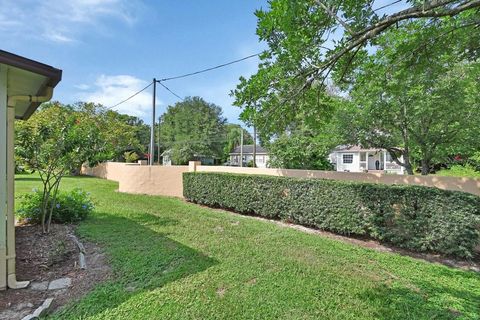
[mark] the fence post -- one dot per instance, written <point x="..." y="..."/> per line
<point x="192" y="166"/>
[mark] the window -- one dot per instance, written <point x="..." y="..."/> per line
<point x="363" y="156"/>
<point x="389" y="157"/>
<point x="347" y="158"/>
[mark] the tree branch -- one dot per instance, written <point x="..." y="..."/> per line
<point x="334" y="16"/>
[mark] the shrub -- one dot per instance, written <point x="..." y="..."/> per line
<point x="412" y="217"/>
<point x="71" y="206"/>
<point x="130" y="156"/>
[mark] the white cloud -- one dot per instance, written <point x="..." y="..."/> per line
<point x="110" y="90"/>
<point x="63" y="21"/>
<point x="82" y="86"/>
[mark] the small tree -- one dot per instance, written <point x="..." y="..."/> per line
<point x="55" y="140"/>
<point x="130" y="156"/>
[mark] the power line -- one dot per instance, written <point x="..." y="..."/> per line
<point x="183" y="76"/>
<point x="209" y="69"/>
<point x="133" y="95"/>
<point x="168" y="89"/>
<point x="387" y="5"/>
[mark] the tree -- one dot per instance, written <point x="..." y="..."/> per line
<point x="141" y="131"/>
<point x="312" y="42"/>
<point x="54" y="141"/>
<point x="117" y="132"/>
<point x="302" y="149"/>
<point x="233" y="136"/>
<point x="425" y="108"/>
<point x="192" y="128"/>
<point x="58" y="139"/>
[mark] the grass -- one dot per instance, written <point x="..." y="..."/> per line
<point x="459" y="171"/>
<point x="175" y="260"/>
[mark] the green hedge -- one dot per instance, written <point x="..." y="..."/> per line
<point x="412" y="217"/>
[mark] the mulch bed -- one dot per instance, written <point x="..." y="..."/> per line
<point x="43" y="257"/>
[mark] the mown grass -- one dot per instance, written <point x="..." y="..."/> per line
<point x="174" y="260"/>
<point x="459" y="171"/>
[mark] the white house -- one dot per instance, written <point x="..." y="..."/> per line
<point x="24" y="85"/>
<point x="261" y="156"/>
<point x="358" y="159"/>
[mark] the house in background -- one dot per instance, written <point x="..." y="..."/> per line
<point x="24" y="85"/>
<point x="261" y="157"/>
<point x="204" y="160"/>
<point x="358" y="159"/>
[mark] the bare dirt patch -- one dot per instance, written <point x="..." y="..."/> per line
<point x="44" y="258"/>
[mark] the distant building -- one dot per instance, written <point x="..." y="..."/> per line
<point x="205" y="160"/>
<point x="261" y="158"/>
<point x="358" y="159"/>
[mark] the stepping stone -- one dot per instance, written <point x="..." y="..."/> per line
<point x="23" y="305"/>
<point x="61" y="283"/>
<point x="39" y="286"/>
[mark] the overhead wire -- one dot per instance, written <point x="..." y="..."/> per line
<point x="183" y="76"/>
<point x="169" y="90"/>
<point x="386" y="6"/>
<point x="209" y="69"/>
<point x="130" y="97"/>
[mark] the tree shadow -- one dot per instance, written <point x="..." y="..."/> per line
<point x="422" y="300"/>
<point x="27" y="178"/>
<point x="142" y="260"/>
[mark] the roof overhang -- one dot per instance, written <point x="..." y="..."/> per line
<point x="28" y="78"/>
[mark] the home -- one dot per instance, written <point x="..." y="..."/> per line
<point x="24" y="85"/>
<point x="358" y="159"/>
<point x="261" y="157"/>
<point x="205" y="160"/>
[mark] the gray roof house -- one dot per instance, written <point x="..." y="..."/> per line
<point x="261" y="157"/>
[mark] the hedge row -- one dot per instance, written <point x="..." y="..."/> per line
<point x="412" y="217"/>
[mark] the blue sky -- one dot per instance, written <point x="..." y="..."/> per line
<point x="109" y="49"/>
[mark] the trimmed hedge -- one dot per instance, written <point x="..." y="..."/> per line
<point x="412" y="217"/>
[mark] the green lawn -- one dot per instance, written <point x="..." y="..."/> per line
<point x="459" y="171"/>
<point x="189" y="262"/>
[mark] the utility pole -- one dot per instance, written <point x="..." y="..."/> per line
<point x="241" y="147"/>
<point x="158" y="141"/>
<point x="152" y="130"/>
<point x="254" y="146"/>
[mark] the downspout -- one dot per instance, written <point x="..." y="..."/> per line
<point x="12" y="100"/>
<point x="11" y="275"/>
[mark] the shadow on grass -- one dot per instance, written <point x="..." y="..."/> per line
<point x="27" y="177"/>
<point x="142" y="260"/>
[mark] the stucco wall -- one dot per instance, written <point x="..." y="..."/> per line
<point x="141" y="179"/>
<point x="167" y="180"/>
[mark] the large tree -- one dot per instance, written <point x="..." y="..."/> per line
<point x="312" y="42"/>
<point x="192" y="128"/>
<point x="424" y="107"/>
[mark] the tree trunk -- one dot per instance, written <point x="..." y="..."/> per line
<point x="425" y="167"/>
<point x="407" y="164"/>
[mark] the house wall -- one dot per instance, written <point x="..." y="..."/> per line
<point x="359" y="166"/>
<point x="4" y="188"/>
<point x="261" y="159"/>
<point x="160" y="180"/>
<point x="348" y="167"/>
